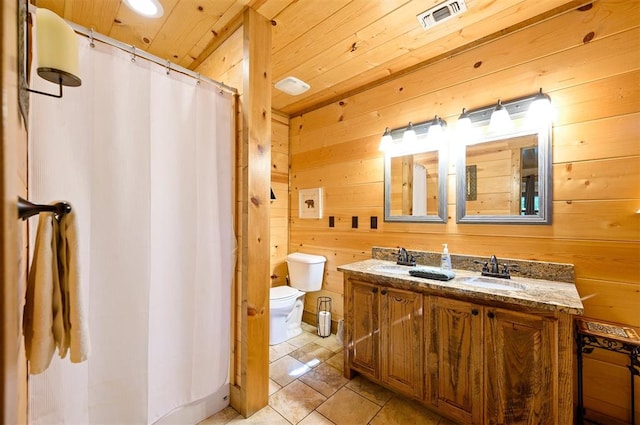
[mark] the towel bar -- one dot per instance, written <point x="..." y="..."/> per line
<point x="26" y="209"/>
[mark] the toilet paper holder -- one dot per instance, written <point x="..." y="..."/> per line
<point x="323" y="317"/>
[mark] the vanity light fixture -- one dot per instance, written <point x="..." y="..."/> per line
<point x="414" y="138"/>
<point x="146" y="8"/>
<point x="500" y="119"/>
<point x="57" y="51"/>
<point x="386" y="141"/>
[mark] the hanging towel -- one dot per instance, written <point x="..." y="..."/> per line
<point x="75" y="317"/>
<point x="55" y="315"/>
<point x="43" y="305"/>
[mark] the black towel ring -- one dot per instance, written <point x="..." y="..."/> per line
<point x="27" y="209"/>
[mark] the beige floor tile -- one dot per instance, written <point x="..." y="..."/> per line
<point x="337" y="361"/>
<point x="325" y="379"/>
<point x="331" y="343"/>
<point x="222" y="417"/>
<point x="265" y="416"/>
<point x="400" y="411"/>
<point x="273" y="386"/>
<point x="295" y="401"/>
<point x="348" y="408"/>
<point x="280" y="350"/>
<point x="286" y="369"/>
<point x="311" y="354"/>
<point x="309" y="328"/>
<point x="315" y="418"/>
<point x="370" y="390"/>
<point x="303" y="339"/>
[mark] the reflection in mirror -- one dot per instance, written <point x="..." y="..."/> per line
<point x="502" y="177"/>
<point x="415" y="187"/>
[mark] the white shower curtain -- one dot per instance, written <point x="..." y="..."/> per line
<point x="145" y="160"/>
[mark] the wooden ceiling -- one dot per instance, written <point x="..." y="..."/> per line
<point x="337" y="46"/>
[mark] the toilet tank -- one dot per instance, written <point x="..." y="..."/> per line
<point x="305" y="271"/>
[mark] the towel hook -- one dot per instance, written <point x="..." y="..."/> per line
<point x="27" y="209"/>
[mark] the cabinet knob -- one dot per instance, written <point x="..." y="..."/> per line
<point x="474" y="311"/>
<point x="374" y="290"/>
<point x="491" y="315"/>
<point x="383" y="292"/>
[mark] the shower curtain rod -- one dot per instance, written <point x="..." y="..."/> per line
<point x="92" y="35"/>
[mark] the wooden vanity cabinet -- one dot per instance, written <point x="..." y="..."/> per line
<point x="454" y="358"/>
<point x="474" y="363"/>
<point x="490" y="365"/>
<point x="384" y="335"/>
<point x="520" y="368"/>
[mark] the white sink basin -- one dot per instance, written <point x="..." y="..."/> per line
<point x="490" y="283"/>
<point x="393" y="269"/>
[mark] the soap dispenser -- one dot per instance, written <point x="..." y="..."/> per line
<point x="445" y="259"/>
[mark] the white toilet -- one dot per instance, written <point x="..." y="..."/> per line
<point x="286" y="303"/>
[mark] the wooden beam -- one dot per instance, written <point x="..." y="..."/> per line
<point x="255" y="227"/>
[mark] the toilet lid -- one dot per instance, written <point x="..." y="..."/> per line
<point x="284" y="291"/>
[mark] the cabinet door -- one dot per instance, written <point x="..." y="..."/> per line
<point x="363" y="332"/>
<point x="401" y="340"/>
<point x="521" y="371"/>
<point x="454" y="362"/>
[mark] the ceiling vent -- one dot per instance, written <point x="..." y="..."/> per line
<point x="292" y="86"/>
<point x="441" y="13"/>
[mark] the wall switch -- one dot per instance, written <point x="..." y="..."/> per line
<point x="332" y="222"/>
<point x="374" y="222"/>
<point x="354" y="222"/>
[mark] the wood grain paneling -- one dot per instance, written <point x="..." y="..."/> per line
<point x="256" y="161"/>
<point x="595" y="87"/>
<point x="13" y="241"/>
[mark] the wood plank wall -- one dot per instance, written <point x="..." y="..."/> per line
<point x="589" y="63"/>
<point x="14" y="238"/>
<point x="280" y="206"/>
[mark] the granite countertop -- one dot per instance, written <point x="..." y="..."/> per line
<point x="536" y="293"/>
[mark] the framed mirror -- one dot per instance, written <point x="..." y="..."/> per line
<point x="415" y="186"/>
<point x="505" y="176"/>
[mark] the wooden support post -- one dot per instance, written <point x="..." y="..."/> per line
<point x="253" y="391"/>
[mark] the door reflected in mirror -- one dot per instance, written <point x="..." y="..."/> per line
<point x="414" y="184"/>
<point x="415" y="187"/>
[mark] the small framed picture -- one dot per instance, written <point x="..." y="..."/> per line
<point x="310" y="203"/>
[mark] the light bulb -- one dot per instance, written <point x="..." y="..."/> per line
<point x="147" y="8"/>
<point x="409" y="135"/>
<point x="385" y="142"/>
<point x="463" y="126"/>
<point x="540" y="111"/>
<point x="500" y="119"/>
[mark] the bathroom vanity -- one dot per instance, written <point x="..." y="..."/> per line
<point x="479" y="351"/>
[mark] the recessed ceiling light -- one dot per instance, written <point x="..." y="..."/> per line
<point x="292" y="86"/>
<point x="146" y="8"/>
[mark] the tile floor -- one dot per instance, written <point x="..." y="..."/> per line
<point x="306" y="387"/>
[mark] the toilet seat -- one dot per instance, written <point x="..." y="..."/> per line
<point x="283" y="292"/>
